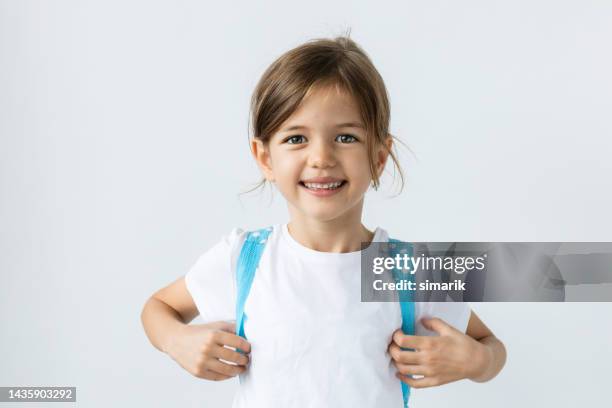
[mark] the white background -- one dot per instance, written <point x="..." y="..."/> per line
<point x="123" y="147"/>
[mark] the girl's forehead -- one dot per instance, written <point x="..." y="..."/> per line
<point x="327" y="101"/>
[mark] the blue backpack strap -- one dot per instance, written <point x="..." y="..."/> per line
<point x="251" y="251"/>
<point x="405" y="299"/>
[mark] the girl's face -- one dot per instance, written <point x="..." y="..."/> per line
<point x="319" y="159"/>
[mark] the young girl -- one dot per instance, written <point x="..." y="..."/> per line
<point x="320" y="122"/>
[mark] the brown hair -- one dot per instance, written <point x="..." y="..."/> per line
<point x="321" y="62"/>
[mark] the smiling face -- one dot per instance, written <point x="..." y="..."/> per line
<point x="319" y="158"/>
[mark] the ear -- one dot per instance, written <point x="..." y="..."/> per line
<point x="383" y="154"/>
<point x="261" y="154"/>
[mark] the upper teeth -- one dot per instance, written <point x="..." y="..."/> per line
<point x="326" y="185"/>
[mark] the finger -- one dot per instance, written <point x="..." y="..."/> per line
<point x="229" y="339"/>
<point x="230" y="355"/>
<point x="423" y="382"/>
<point x="224" y="368"/>
<point x="211" y="375"/>
<point x="438" y="325"/>
<point x="225" y="325"/>
<point x="409" y="341"/>
<point x="411" y="369"/>
<point x="404" y="356"/>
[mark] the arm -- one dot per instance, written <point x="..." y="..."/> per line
<point x="197" y="348"/>
<point x="451" y="356"/>
<point x="492" y="353"/>
<point x="166" y="313"/>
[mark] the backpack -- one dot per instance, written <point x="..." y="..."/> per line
<point x="248" y="261"/>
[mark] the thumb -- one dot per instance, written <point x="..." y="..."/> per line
<point x="437" y="325"/>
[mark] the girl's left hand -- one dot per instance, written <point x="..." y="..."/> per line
<point x="441" y="359"/>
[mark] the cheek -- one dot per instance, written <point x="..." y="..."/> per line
<point x="286" y="168"/>
<point x="358" y="166"/>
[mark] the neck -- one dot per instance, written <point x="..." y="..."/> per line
<point x="342" y="234"/>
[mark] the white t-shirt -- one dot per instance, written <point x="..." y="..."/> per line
<point x="313" y="342"/>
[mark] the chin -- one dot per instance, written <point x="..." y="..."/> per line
<point x="322" y="215"/>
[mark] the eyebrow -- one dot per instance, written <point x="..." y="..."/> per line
<point x="340" y="125"/>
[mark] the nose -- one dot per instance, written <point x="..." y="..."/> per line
<point x="321" y="155"/>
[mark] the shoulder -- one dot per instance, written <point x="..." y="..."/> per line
<point x="260" y="234"/>
<point x="220" y="254"/>
<point x="236" y="238"/>
<point x="381" y="235"/>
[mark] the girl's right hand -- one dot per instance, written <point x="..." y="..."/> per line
<point x="198" y="348"/>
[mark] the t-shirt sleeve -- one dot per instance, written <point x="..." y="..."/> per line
<point x="456" y="314"/>
<point x="211" y="280"/>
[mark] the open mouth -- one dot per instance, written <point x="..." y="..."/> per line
<point x="323" y="186"/>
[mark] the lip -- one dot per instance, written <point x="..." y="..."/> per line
<point x="323" y="192"/>
<point x="322" y="180"/>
